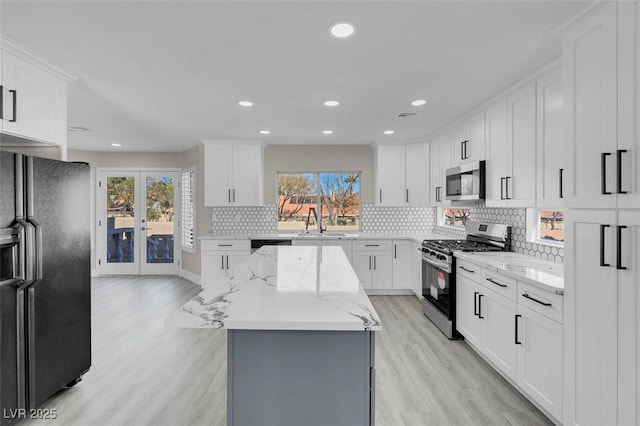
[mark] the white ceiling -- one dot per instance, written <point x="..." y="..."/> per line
<point x="162" y="75"/>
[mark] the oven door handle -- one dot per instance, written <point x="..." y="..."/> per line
<point x="437" y="265"/>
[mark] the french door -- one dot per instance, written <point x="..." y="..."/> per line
<point x="137" y="221"/>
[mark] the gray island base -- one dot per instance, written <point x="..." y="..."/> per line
<point x="301" y="338"/>
<point x="293" y="378"/>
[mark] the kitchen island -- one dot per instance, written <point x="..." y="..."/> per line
<point x="300" y="334"/>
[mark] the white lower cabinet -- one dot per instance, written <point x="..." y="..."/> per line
<point x="373" y="263"/>
<point x="519" y="332"/>
<point x="219" y="257"/>
<point x="402" y="271"/>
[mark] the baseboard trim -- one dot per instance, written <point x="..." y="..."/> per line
<point x="94" y="273"/>
<point x="389" y="292"/>
<point x="190" y="276"/>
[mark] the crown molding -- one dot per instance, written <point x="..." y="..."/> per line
<point x="578" y="15"/>
<point x="36" y="59"/>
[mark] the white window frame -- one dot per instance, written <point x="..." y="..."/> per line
<point x="533" y="225"/>
<point x="188" y="209"/>
<point x="440" y="218"/>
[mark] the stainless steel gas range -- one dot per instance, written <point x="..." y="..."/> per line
<point x="438" y="270"/>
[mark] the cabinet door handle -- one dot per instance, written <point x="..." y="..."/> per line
<point x="407" y="195"/>
<point x="381" y="195"/>
<point x="369" y="262"/>
<point x="502" y="188"/>
<point x="491" y="280"/>
<point x="462" y="150"/>
<point x="517" y="342"/>
<point x="619" y="171"/>
<point x="475" y="303"/>
<point x="468" y="270"/>
<point x="619" y="229"/>
<point x="466" y="143"/>
<point x="506" y="188"/>
<point x="1" y="102"/>
<point x="234" y="195"/>
<point x="560" y="183"/>
<point x="225" y="245"/>
<point x="602" y="262"/>
<point x="229" y="194"/>
<point x="227" y="262"/>
<point x="372" y="245"/>
<point x="395" y="251"/>
<point x="480" y="296"/>
<point x="526" y="296"/>
<point x="374" y="263"/>
<point x="603" y="173"/>
<point x="222" y="259"/>
<point x="15" y="105"/>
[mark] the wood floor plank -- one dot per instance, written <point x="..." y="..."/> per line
<point x="145" y="373"/>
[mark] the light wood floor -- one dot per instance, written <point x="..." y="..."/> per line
<point x="144" y="373"/>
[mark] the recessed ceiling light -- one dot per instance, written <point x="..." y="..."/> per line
<point x="327" y="132"/>
<point x="418" y="102"/>
<point x="389" y="132"/>
<point x="331" y="103"/>
<point x="265" y="132"/>
<point x="341" y="29"/>
<point x="116" y="145"/>
<point x="245" y="103"/>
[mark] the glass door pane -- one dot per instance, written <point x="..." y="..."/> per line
<point x="120" y="219"/>
<point x="159" y="223"/>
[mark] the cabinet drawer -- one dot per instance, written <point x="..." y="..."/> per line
<point x="541" y="301"/>
<point x="469" y="270"/>
<point x="372" y="245"/>
<point x="226" y="245"/>
<point x="501" y="284"/>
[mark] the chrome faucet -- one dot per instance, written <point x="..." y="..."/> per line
<point x="315" y="215"/>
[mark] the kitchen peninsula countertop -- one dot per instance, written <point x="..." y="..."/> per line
<point x="540" y="273"/>
<point x="284" y="288"/>
<point x="329" y="235"/>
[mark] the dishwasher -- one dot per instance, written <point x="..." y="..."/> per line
<point x="256" y="244"/>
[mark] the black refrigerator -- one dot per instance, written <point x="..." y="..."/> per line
<point x="45" y="279"/>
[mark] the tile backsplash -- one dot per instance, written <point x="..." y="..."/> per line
<point x="389" y="221"/>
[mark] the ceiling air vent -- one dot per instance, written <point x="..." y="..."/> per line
<point x="406" y="114"/>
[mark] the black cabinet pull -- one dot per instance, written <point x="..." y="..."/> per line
<point x="381" y="195"/>
<point x="15" y="105"/>
<point x="372" y="245"/>
<point x="468" y="270"/>
<point x="225" y="245"/>
<point x="369" y="262"/>
<point x="1" y="102"/>
<point x="374" y="263"/>
<point x="560" y="183"/>
<point x="506" y="188"/>
<point x="603" y="172"/>
<point x="465" y="150"/>
<point x="407" y="195"/>
<point x="502" y="188"/>
<point x="227" y="262"/>
<point x="462" y="150"/>
<point x="619" y="229"/>
<point x="229" y="196"/>
<point x="480" y="296"/>
<point x="475" y="303"/>
<point x="517" y="342"/>
<point x="395" y="251"/>
<point x="234" y="195"/>
<point x="619" y="171"/>
<point x="526" y="296"/>
<point x="602" y="228"/>
<point x="222" y="259"/>
<point x="491" y="280"/>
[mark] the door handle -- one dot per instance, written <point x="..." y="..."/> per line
<point x="143" y="229"/>
<point x="1" y="102"/>
<point x="234" y="195"/>
<point x="468" y="270"/>
<point x="229" y="194"/>
<point x="222" y="259"/>
<point x="526" y="296"/>
<point x="462" y="150"/>
<point x="374" y="263"/>
<point x="560" y="183"/>
<point x="480" y="296"/>
<point x="369" y="262"/>
<point x="516" y="337"/>
<point x="475" y="303"/>
<point x="603" y="173"/>
<point x="619" y="171"/>
<point x="15" y="105"/>
<point x="395" y="251"/>
<point x="381" y="195"/>
<point x="602" y="262"/>
<point x="502" y="188"/>
<point x="407" y="195"/>
<point x="506" y="188"/>
<point x="491" y="280"/>
<point x="619" y="229"/>
<point x="227" y="262"/>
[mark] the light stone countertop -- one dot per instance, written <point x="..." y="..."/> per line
<point x="284" y="288"/>
<point x="328" y="235"/>
<point x="540" y="273"/>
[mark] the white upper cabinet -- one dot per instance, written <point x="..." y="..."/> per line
<point x="390" y="175"/>
<point x="34" y="101"/>
<point x="440" y="162"/>
<point x="417" y="174"/>
<point x="402" y="175"/>
<point x="550" y="140"/>
<point x="511" y="169"/>
<point x="601" y="105"/>
<point x="233" y="173"/>
<point x="468" y="141"/>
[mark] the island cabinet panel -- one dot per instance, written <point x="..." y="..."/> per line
<point x="293" y="378"/>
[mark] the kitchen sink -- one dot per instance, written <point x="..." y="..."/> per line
<point x="316" y="235"/>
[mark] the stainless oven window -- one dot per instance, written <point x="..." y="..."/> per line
<point x="436" y="287"/>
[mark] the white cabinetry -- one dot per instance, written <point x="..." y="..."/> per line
<point x="402" y="175"/>
<point x="219" y="257"/>
<point x="440" y="157"/>
<point x="496" y="170"/>
<point x="372" y="262"/>
<point x="515" y="326"/>
<point x="34" y="101"/>
<point x="468" y="141"/>
<point x="512" y="161"/>
<point x="403" y="277"/>
<point x="602" y="249"/>
<point x="550" y="140"/>
<point x="233" y="173"/>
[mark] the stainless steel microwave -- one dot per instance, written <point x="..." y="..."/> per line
<point x="466" y="182"/>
